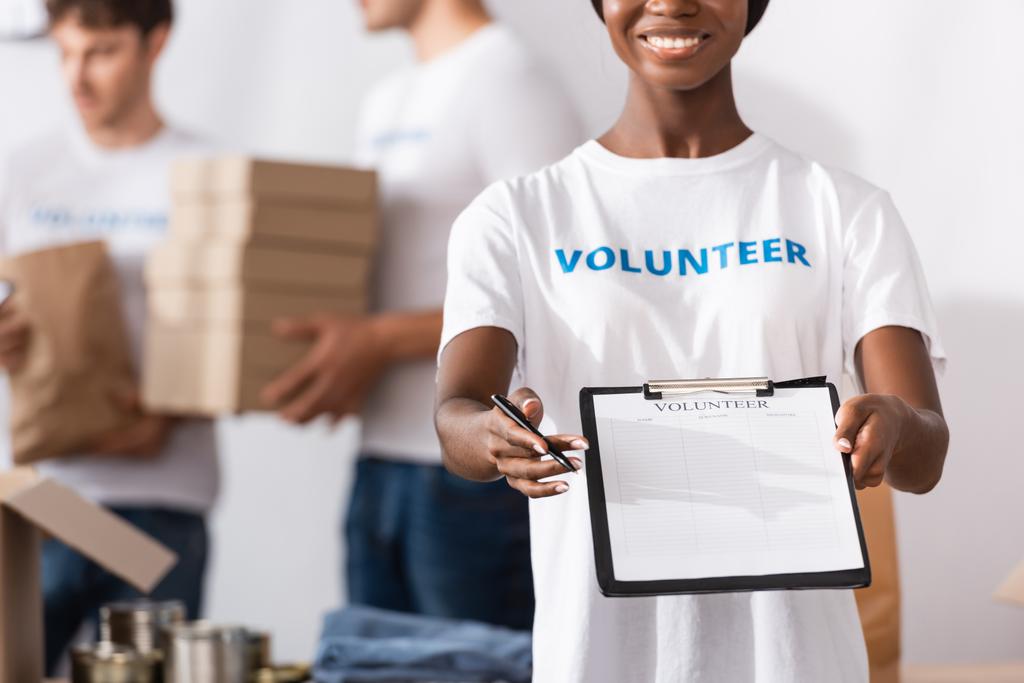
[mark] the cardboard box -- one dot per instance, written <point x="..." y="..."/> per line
<point x="222" y="347"/>
<point x="30" y="506"/>
<point x="284" y="183"/>
<point x="192" y="394"/>
<point x="210" y="371"/>
<point x="258" y="223"/>
<point x="241" y="308"/>
<point x="176" y="264"/>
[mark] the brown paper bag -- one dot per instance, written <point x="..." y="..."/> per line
<point x="78" y="353"/>
<point x="879" y="605"/>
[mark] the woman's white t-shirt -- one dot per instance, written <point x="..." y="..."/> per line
<point x="610" y="271"/>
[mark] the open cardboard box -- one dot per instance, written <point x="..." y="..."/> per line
<point x="30" y="506"/>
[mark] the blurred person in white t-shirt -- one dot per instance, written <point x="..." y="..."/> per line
<point x="475" y="107"/>
<point x="106" y="176"/>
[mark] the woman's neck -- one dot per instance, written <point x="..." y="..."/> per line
<point x="659" y="122"/>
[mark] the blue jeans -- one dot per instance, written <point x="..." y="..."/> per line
<point x="425" y="541"/>
<point x="365" y="644"/>
<point x="74" y="588"/>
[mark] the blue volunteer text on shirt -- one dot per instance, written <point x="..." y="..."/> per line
<point x="98" y="221"/>
<point x="396" y="137"/>
<point x="662" y="262"/>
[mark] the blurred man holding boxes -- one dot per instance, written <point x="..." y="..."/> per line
<point x="475" y="108"/>
<point x="106" y="181"/>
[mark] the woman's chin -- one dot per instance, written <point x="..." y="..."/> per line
<point x="677" y="79"/>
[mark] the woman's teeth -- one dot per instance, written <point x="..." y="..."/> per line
<point x="669" y="43"/>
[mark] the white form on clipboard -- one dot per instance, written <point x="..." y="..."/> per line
<point x="720" y="485"/>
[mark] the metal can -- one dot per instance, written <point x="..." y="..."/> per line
<point x="293" y="673"/>
<point x="201" y="652"/>
<point x="259" y="650"/>
<point x="139" y="623"/>
<point x="106" y="662"/>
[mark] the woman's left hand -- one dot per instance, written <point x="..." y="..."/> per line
<point x="869" y="428"/>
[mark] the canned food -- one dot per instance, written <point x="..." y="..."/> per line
<point x="292" y="673"/>
<point x="106" y="662"/>
<point x="139" y="623"/>
<point x="259" y="650"/>
<point x="201" y="652"/>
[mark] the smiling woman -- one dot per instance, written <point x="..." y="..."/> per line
<point x="676" y="244"/>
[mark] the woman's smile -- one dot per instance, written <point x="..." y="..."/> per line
<point x="673" y="44"/>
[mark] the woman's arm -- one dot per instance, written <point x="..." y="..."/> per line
<point x="896" y="431"/>
<point x="477" y="441"/>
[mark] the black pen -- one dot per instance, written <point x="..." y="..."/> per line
<point x="509" y="408"/>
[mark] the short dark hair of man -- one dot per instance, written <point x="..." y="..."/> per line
<point x="144" y="14"/>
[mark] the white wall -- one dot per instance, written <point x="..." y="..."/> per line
<point x="923" y="97"/>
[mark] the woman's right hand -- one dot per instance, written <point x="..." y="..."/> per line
<point x="517" y="453"/>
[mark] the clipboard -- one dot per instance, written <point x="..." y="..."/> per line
<point x="763" y="391"/>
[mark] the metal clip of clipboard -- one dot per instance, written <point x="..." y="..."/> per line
<point x="655" y="390"/>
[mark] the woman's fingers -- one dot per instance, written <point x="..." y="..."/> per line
<point x="518" y="453"/>
<point x="519" y="443"/>
<point x="869" y="470"/>
<point x="535" y="489"/>
<point x="534" y="469"/>
<point x="529" y="402"/>
<point x="569" y="442"/>
<point x="860" y="433"/>
<point x="849" y="419"/>
<point x="874" y="477"/>
<point x="508" y="438"/>
<point x="868" y="458"/>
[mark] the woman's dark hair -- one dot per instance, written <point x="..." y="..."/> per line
<point x="757" y="8"/>
<point x="144" y="14"/>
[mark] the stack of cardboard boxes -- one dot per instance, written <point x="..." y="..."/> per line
<point x="249" y="241"/>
